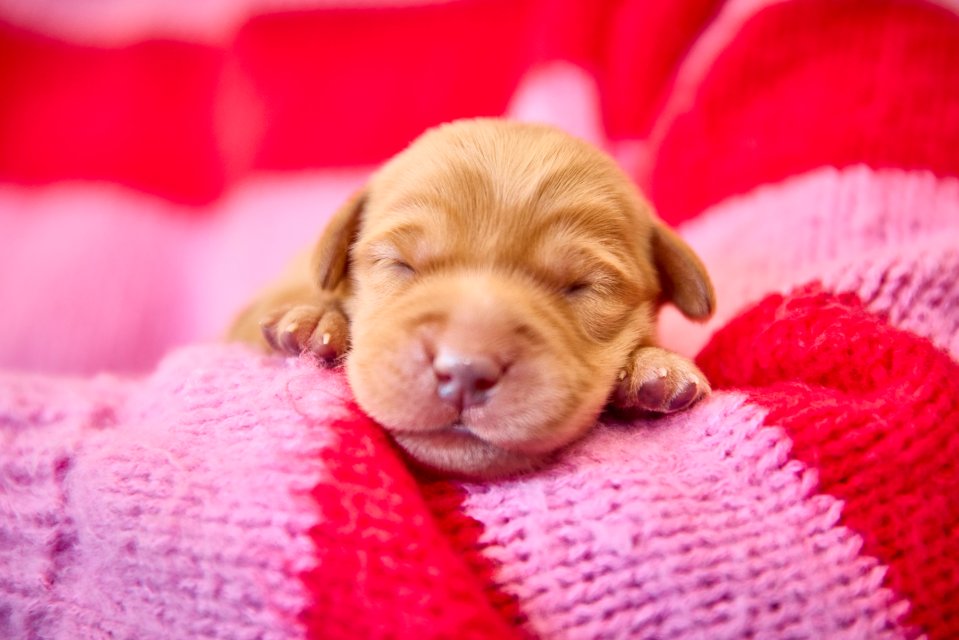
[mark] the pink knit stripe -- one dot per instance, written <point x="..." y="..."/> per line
<point x="696" y="525"/>
<point x="915" y="288"/>
<point x="117" y="22"/>
<point x="176" y="507"/>
<point x="178" y="278"/>
<point x="856" y="229"/>
<point x="42" y="423"/>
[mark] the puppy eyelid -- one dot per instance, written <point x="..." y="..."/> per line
<point x="602" y="283"/>
<point x="396" y="264"/>
<point x="387" y="255"/>
<point x="577" y="288"/>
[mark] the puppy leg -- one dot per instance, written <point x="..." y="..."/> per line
<point x="296" y="319"/>
<point x="660" y="381"/>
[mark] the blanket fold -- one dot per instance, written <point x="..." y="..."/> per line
<point x="231" y="495"/>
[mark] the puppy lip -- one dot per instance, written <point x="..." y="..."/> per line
<point x="453" y="428"/>
<point x="455" y="435"/>
<point x="456" y="430"/>
<point x="460" y="428"/>
<point x="458" y="433"/>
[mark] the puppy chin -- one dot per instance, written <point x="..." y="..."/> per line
<point x="459" y="453"/>
<point x="468" y="452"/>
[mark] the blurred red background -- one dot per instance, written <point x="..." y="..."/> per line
<point x="312" y="88"/>
<point x="160" y="160"/>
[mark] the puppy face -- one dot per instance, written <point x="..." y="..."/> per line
<point x="497" y="275"/>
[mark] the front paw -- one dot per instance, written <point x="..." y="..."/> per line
<point x="321" y="329"/>
<point x="659" y="381"/>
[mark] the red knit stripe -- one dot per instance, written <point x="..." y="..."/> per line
<point x="352" y="87"/>
<point x="647" y="40"/>
<point x="808" y="83"/>
<point x="384" y="567"/>
<point x="290" y="90"/>
<point x="876" y="411"/>
<point x="445" y="499"/>
<point x="313" y="88"/>
<point x="142" y="115"/>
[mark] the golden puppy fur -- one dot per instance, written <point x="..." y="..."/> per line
<point x="492" y="287"/>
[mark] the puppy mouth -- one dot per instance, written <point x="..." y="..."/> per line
<point x="454" y="429"/>
<point x="459" y="428"/>
<point x="459" y="450"/>
<point x="458" y="435"/>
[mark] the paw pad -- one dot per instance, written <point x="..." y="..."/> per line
<point x="322" y="331"/>
<point x="659" y="381"/>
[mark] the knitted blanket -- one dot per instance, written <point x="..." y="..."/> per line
<point x="805" y="148"/>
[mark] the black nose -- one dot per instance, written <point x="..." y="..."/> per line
<point x="465" y="381"/>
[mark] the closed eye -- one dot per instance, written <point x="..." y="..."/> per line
<point x="577" y="289"/>
<point x="589" y="287"/>
<point x="399" y="267"/>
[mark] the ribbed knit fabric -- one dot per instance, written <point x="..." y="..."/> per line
<point x="175" y="507"/>
<point x="696" y="526"/>
<point x="181" y="506"/>
<point x="876" y="410"/>
<point x="887" y="235"/>
<point x="806" y="147"/>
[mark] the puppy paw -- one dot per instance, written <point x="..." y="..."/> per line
<point x="659" y="381"/>
<point x="321" y="329"/>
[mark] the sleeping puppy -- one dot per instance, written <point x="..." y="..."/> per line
<point x="492" y="287"/>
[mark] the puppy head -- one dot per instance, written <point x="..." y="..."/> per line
<point x="498" y="275"/>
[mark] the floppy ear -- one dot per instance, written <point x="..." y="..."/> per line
<point x="682" y="276"/>
<point x="330" y="261"/>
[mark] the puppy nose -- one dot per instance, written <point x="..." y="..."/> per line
<point x="465" y="381"/>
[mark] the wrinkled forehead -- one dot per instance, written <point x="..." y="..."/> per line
<point x="500" y="196"/>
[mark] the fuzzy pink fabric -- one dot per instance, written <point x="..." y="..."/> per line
<point x="888" y="236"/>
<point x="181" y="505"/>
<point x="176" y="506"/>
<point x="696" y="526"/>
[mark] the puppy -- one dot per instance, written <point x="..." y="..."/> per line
<point x="492" y="287"/>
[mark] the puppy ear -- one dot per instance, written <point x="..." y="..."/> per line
<point x="330" y="260"/>
<point x="682" y="276"/>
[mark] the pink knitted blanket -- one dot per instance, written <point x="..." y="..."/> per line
<point x="805" y="148"/>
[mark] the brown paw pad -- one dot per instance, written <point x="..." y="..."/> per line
<point x="323" y="333"/>
<point x="656" y="395"/>
<point x="686" y="396"/>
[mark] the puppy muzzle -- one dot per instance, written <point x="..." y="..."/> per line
<point x="484" y="356"/>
